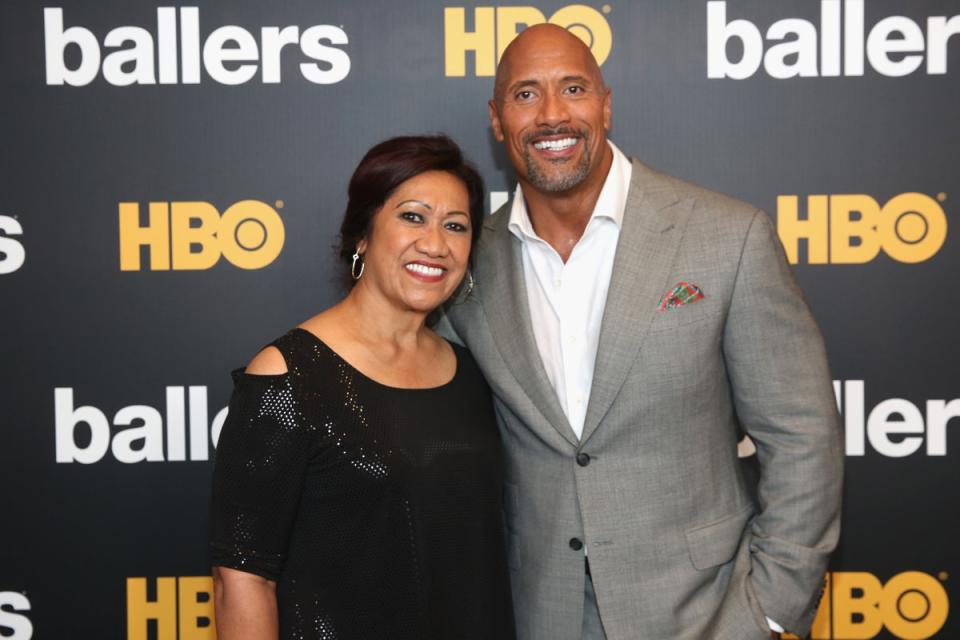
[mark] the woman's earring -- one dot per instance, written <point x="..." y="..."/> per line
<point x="353" y="267"/>
<point x="465" y="291"/>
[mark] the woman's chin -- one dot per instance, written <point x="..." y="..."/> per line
<point x="425" y="304"/>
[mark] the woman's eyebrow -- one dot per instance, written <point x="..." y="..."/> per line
<point x="420" y="202"/>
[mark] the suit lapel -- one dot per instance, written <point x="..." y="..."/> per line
<point x="502" y="291"/>
<point x="653" y="224"/>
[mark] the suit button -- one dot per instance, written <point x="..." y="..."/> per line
<point x="583" y="459"/>
<point x="575" y="544"/>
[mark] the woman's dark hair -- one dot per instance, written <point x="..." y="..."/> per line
<point x="391" y="163"/>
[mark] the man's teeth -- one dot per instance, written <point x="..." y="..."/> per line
<point x="555" y="145"/>
<point x="424" y="269"/>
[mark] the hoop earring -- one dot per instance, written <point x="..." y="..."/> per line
<point x="353" y="266"/>
<point x="465" y="293"/>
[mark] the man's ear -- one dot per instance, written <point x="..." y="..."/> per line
<point x="607" y="110"/>
<point x="494" y="114"/>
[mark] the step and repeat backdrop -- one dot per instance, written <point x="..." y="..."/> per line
<point x="172" y="177"/>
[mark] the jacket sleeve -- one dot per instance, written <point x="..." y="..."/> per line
<point x="782" y="393"/>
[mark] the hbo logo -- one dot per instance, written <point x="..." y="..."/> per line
<point x="853" y="228"/>
<point x="857" y="606"/>
<point x="180" y="608"/>
<point x="495" y="28"/>
<point x="193" y="235"/>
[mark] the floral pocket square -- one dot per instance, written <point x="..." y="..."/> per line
<point x="683" y="293"/>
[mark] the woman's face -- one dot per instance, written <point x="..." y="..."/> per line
<point x="419" y="242"/>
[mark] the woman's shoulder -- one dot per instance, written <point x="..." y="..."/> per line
<point x="277" y="358"/>
<point x="268" y="362"/>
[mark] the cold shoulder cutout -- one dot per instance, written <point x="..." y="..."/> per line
<point x="269" y="362"/>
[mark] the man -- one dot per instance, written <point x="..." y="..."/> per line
<point x="629" y="323"/>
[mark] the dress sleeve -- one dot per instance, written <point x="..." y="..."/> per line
<point x="258" y="474"/>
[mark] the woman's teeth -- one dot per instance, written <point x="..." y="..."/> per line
<point x="424" y="269"/>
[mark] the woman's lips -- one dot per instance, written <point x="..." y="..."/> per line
<point x="425" y="272"/>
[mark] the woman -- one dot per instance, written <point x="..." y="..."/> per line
<point x="357" y="489"/>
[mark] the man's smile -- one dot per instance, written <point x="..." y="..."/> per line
<point x="555" y="146"/>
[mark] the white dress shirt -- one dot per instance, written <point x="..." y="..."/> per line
<point x="567" y="299"/>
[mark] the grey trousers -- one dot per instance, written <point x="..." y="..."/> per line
<point x="592" y="626"/>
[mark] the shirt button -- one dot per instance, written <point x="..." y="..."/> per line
<point x="575" y="544"/>
<point x="583" y="459"/>
<point x="556" y="283"/>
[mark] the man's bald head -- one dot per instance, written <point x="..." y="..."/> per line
<point x="543" y="39"/>
<point x="552" y="111"/>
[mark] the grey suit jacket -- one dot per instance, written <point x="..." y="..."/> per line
<point x="678" y="549"/>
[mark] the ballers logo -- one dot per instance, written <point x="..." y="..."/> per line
<point x="14" y="623"/>
<point x="193" y="235"/>
<point x="894" y="427"/>
<point x="181" y="609"/>
<point x="495" y="27"/>
<point x="231" y="55"/>
<point x="894" y="46"/>
<point x="143" y="429"/>
<point x="12" y="254"/>
<point x="854" y="228"/>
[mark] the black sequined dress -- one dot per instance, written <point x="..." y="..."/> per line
<point x="376" y="510"/>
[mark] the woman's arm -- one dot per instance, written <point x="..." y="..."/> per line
<point x="245" y="605"/>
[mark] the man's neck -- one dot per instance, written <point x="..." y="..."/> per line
<point x="561" y="218"/>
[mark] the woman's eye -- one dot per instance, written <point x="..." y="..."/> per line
<point x="456" y="226"/>
<point x="411" y="216"/>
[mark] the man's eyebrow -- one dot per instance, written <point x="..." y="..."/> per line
<point x="576" y="78"/>
<point x="516" y="86"/>
<point x="420" y="202"/>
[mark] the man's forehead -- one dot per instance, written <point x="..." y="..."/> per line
<point x="540" y="56"/>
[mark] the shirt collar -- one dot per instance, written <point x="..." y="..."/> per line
<point x="610" y="204"/>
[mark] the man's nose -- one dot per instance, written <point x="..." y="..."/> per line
<point x="553" y="110"/>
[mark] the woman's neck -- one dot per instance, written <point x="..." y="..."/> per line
<point x="371" y="318"/>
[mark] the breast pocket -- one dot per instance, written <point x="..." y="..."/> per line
<point x="684" y="315"/>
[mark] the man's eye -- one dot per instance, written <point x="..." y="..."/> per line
<point x="575" y="90"/>
<point x="524" y="95"/>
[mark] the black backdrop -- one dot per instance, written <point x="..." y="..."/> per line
<point x="127" y="106"/>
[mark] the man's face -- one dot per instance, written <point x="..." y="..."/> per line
<point x="552" y="111"/>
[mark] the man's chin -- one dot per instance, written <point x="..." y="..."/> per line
<point x="555" y="182"/>
<point x="556" y="175"/>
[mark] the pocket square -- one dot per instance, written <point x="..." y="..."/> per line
<point x="683" y="293"/>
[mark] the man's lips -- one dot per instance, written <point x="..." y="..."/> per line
<point x="556" y="146"/>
